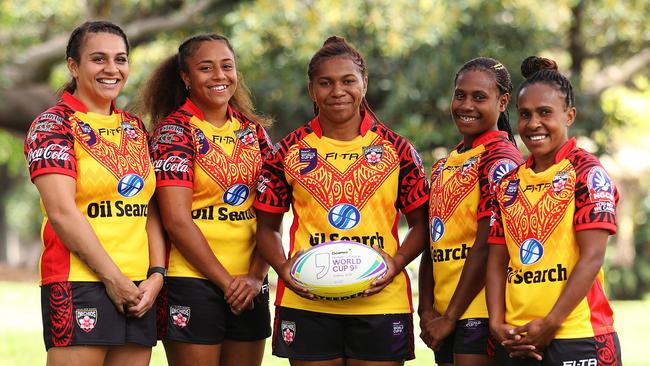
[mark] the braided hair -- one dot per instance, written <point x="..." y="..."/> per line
<point x="544" y="70"/>
<point x="165" y="91"/>
<point x="336" y="46"/>
<point x="504" y="85"/>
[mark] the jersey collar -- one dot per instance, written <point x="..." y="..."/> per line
<point x="366" y="124"/>
<point x="484" y="138"/>
<point x="78" y="105"/>
<point x="190" y="107"/>
<point x="559" y="155"/>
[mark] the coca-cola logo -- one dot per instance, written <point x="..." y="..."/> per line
<point x="50" y="152"/>
<point x="172" y="164"/>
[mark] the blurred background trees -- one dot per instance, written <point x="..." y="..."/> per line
<point x="413" y="49"/>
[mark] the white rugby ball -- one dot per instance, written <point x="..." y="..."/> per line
<point x="338" y="270"/>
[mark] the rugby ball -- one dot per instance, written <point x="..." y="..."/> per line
<point x="338" y="270"/>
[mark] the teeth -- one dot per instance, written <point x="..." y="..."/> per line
<point x="467" y="119"/>
<point x="537" y="137"/>
<point x="219" y="87"/>
<point x="108" y="81"/>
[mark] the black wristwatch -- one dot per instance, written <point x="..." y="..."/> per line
<point x="161" y="270"/>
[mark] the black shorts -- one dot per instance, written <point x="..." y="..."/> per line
<point x="599" y="350"/>
<point x="310" y="336"/>
<point x="81" y="313"/>
<point x="471" y="337"/>
<point x="194" y="310"/>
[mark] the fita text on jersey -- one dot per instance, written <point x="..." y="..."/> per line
<point x="222" y="166"/>
<point x="462" y="186"/>
<point x="109" y="158"/>
<point x="345" y="190"/>
<point x="537" y="217"/>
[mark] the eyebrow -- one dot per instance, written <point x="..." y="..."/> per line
<point x="228" y="59"/>
<point x="101" y="53"/>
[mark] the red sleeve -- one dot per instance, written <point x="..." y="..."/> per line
<point x="413" y="184"/>
<point x="172" y="153"/>
<point x="264" y="141"/>
<point x="49" y="146"/>
<point x="596" y="195"/>
<point x="273" y="191"/>
<point x="504" y="192"/>
<point x="498" y="159"/>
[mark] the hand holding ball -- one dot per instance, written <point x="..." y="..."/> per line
<point x="338" y="270"/>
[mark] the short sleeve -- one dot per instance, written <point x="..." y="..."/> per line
<point x="273" y="190"/>
<point x="413" y="184"/>
<point x="497" y="160"/>
<point x="596" y="196"/>
<point x="264" y="141"/>
<point x="172" y="153"/>
<point x="49" y="146"/>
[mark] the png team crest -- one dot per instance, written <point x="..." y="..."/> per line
<point x="86" y="318"/>
<point x="559" y="181"/>
<point x="179" y="315"/>
<point x="288" y="331"/>
<point x="246" y="136"/>
<point x="468" y="165"/>
<point x="373" y="153"/>
<point x="129" y="130"/>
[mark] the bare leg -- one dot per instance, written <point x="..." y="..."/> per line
<point x="76" y="356"/>
<point x="190" y="354"/>
<point x="239" y="353"/>
<point x="131" y="354"/>
<point x="473" y="360"/>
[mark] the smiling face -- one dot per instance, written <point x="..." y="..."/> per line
<point x="101" y="71"/>
<point x="338" y="87"/>
<point x="211" y="76"/>
<point x="543" y="123"/>
<point x="476" y="104"/>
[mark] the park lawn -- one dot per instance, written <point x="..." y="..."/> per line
<point x="21" y="341"/>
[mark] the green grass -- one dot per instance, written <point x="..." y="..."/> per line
<point x="21" y="340"/>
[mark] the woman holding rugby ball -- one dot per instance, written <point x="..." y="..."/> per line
<point x="453" y="312"/>
<point x="102" y="263"/>
<point x="344" y="174"/>
<point x="208" y="148"/>
<point x="552" y="219"/>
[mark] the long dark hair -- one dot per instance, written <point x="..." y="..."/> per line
<point x="77" y="38"/>
<point x="504" y="85"/>
<point x="165" y="91"/>
<point x="335" y="46"/>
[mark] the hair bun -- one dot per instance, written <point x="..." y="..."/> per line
<point x="334" y="39"/>
<point x="533" y="64"/>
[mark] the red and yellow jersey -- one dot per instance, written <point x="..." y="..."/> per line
<point x="345" y="190"/>
<point x="222" y="166"/>
<point x="462" y="186"/>
<point x="537" y="217"/>
<point x="109" y="158"/>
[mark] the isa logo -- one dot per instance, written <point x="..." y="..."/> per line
<point x="344" y="216"/>
<point x="531" y="251"/>
<point x="203" y="145"/>
<point x="236" y="195"/>
<point x="600" y="185"/>
<point x="130" y="185"/>
<point x="310" y="156"/>
<point x="437" y="229"/>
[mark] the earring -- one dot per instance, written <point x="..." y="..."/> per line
<point x="187" y="87"/>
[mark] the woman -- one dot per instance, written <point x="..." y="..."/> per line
<point x="207" y="153"/>
<point x="453" y="312"/>
<point x="90" y="163"/>
<point x="344" y="162"/>
<point x="554" y="214"/>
